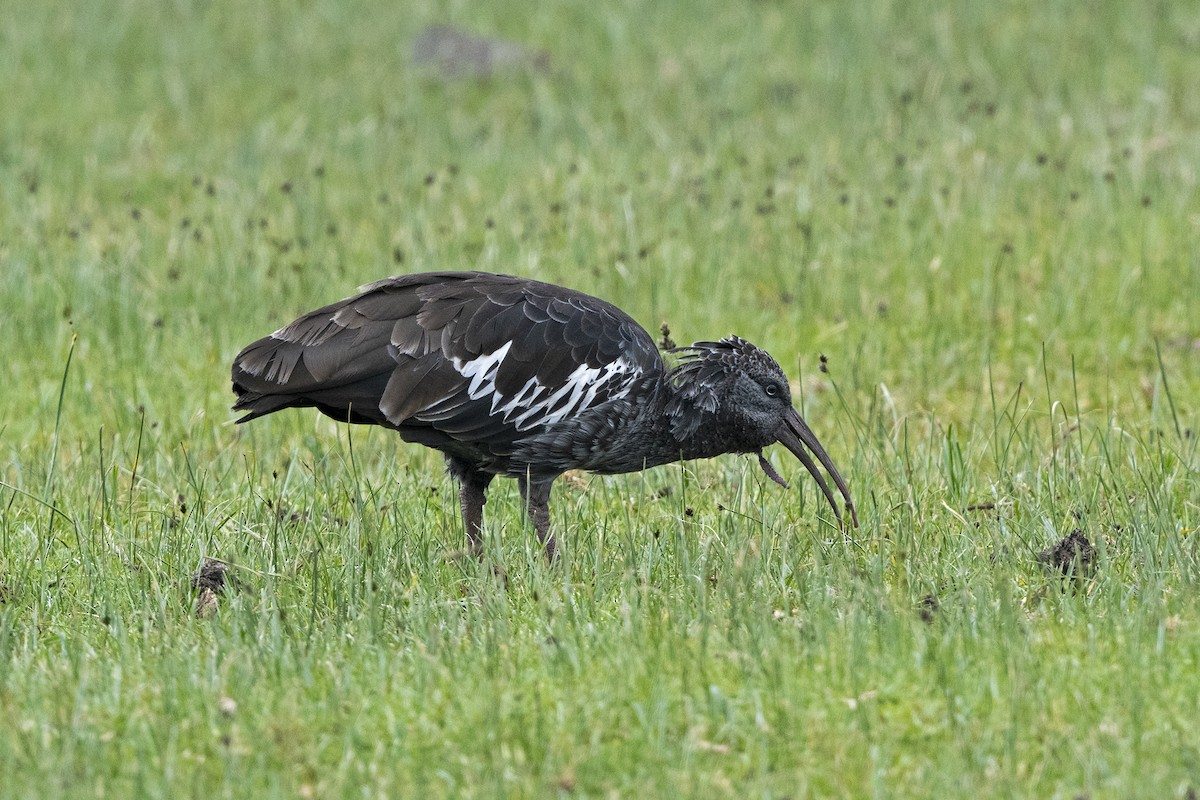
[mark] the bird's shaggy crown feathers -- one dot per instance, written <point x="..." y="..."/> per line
<point x="707" y="363"/>
<point x="703" y="372"/>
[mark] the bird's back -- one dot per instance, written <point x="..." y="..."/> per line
<point x="474" y="364"/>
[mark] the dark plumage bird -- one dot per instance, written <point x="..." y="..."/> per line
<point x="510" y="376"/>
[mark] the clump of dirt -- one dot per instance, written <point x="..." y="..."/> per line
<point x="929" y="608"/>
<point x="454" y="53"/>
<point x="212" y="579"/>
<point x="1073" y="554"/>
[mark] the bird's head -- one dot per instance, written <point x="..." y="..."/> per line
<point x="741" y="389"/>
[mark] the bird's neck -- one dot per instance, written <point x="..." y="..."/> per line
<point x="660" y="426"/>
<point x="682" y="430"/>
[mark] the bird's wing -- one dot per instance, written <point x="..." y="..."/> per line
<point x="476" y="357"/>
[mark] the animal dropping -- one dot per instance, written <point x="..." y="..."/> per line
<point x="514" y="377"/>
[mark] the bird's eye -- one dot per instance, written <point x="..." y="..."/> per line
<point x="771" y="390"/>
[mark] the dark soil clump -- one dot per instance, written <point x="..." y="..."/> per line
<point x="1073" y="554"/>
<point x="929" y="608"/>
<point x="455" y="53"/>
<point x="212" y="579"/>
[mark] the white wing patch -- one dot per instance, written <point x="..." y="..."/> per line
<point x="482" y="371"/>
<point x="535" y="404"/>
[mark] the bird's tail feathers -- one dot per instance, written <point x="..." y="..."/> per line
<point x="259" y="404"/>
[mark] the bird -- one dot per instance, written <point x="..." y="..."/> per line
<point x="515" y="377"/>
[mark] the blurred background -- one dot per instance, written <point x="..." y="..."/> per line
<point x="927" y="193"/>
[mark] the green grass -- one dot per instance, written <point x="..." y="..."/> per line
<point x="984" y="215"/>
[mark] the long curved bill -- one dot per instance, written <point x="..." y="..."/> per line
<point x="795" y="435"/>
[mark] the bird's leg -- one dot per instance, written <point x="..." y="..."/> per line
<point x="536" y="495"/>
<point x="472" y="494"/>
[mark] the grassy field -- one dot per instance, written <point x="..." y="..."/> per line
<point x="985" y="216"/>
